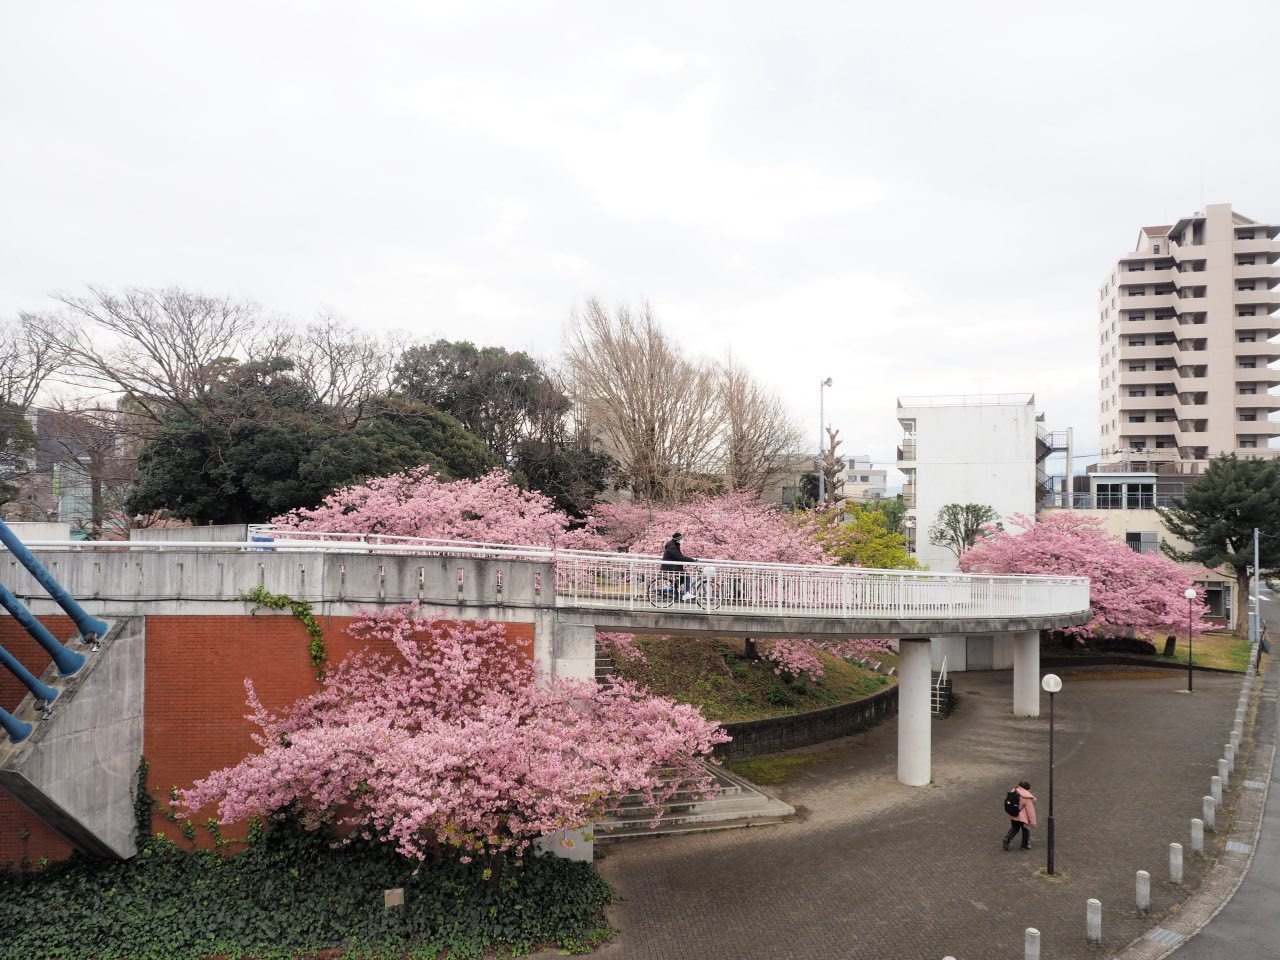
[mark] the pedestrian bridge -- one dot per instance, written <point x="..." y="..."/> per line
<point x="565" y="595"/>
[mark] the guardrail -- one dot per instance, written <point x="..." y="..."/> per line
<point x="625" y="581"/>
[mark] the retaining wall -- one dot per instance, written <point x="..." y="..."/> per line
<point x="751" y="738"/>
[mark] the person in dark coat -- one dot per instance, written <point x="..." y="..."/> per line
<point x="1026" y="818"/>
<point x="675" y="561"/>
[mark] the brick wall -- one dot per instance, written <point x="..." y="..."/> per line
<point x="195" y="699"/>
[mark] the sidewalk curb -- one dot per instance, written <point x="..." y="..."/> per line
<point x="1224" y="878"/>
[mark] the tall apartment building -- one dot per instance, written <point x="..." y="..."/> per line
<point x="1185" y="323"/>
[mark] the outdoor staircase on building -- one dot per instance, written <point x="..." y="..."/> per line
<point x="942" y="695"/>
<point x="604" y="665"/>
<point x="738" y="804"/>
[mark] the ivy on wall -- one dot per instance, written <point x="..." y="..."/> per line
<point x="302" y="610"/>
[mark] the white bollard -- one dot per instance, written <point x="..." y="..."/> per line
<point x="1175" y="863"/>
<point x="1223" y="772"/>
<point x="1144" y="891"/>
<point x="1093" y="922"/>
<point x="1237" y="730"/>
<point x="1197" y="836"/>
<point x="1229" y="752"/>
<point x="1210" y="809"/>
<point x="1235" y="740"/>
<point x="1215" y="790"/>
<point x="1031" y="950"/>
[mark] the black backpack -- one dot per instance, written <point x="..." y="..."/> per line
<point x="1012" y="803"/>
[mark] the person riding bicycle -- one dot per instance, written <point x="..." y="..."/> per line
<point x="675" y="561"/>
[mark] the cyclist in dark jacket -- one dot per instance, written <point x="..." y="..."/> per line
<point x="674" y="560"/>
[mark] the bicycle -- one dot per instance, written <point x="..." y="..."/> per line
<point x="666" y="588"/>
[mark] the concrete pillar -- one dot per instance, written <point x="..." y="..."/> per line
<point x="914" y="717"/>
<point x="1175" y="863"/>
<point x="573" y="650"/>
<point x="1026" y="673"/>
<point x="1209" y="813"/>
<point x="1215" y="790"/>
<point x="1197" y="836"/>
<point x="1031" y="944"/>
<point x="1143" y="891"/>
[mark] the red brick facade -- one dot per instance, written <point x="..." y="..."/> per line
<point x="195" y="698"/>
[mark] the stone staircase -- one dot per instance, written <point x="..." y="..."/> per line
<point x="738" y="804"/>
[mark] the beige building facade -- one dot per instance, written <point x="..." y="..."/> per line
<point x="1185" y="328"/>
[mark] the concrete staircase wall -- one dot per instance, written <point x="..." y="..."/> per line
<point x="76" y="771"/>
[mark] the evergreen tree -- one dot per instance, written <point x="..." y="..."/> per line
<point x="1218" y="513"/>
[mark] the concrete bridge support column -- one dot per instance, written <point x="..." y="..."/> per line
<point x="572" y="654"/>
<point x="914" y="716"/>
<point x="1026" y="673"/>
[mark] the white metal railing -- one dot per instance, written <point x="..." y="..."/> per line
<point x="626" y="581"/>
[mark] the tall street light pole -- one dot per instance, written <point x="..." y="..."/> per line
<point x="1190" y="594"/>
<point x="1051" y="683"/>
<point x="822" y="442"/>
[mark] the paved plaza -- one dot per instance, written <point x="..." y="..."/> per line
<point x="872" y="869"/>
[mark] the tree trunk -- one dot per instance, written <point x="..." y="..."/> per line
<point x="1242" y="600"/>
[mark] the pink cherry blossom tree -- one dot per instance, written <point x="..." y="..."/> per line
<point x="456" y="745"/>
<point x="1128" y="590"/>
<point x="418" y="503"/>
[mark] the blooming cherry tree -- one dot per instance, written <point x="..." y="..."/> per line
<point x="1127" y="590"/>
<point x="418" y="503"/>
<point x="456" y="743"/>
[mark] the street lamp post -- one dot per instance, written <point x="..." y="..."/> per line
<point x="822" y="461"/>
<point x="1190" y="594"/>
<point x="1051" y="683"/>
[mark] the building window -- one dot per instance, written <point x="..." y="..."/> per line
<point x="1248" y="444"/>
<point x="1137" y="418"/>
<point x="1244" y="285"/>
<point x="1137" y="341"/>
<point x="1249" y="391"/>
<point x="1138" y="315"/>
<point x="1244" y="312"/>
<point x="1156" y="247"/>
<point x="1164" y="391"/>
<point x="1164" y="444"/>
<point x="1137" y="267"/>
<point x="1137" y="367"/>
<point x="1247" y="364"/>
<point x="1244" y="235"/>
<point x="1244" y="261"/>
<point x="1248" y="416"/>
<point x="1164" y="342"/>
<point x="1137" y="392"/>
<point x="1246" y="338"/>
<point x="1164" y="365"/>
<point x="1164" y="417"/>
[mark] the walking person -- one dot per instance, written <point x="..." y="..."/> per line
<point x="1020" y="806"/>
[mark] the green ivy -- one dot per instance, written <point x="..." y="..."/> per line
<point x="291" y="894"/>
<point x="260" y="598"/>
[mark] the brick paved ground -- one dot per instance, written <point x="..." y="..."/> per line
<point x="873" y="869"/>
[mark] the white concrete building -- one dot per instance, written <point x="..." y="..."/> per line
<point x="1185" y="326"/>
<point x="968" y="449"/>
<point x="987" y="449"/>
<point x="862" y="481"/>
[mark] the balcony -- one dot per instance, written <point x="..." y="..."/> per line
<point x="1269" y="248"/>
<point x="1258" y="401"/>
<point x="909" y="495"/>
<point x="1148" y="377"/>
<point x="1150" y="301"/>
<point x="1259" y="271"/>
<point x="1149" y="402"/>
<point x="1149" y="351"/>
<point x="907" y="452"/>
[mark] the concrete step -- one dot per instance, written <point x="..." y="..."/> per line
<point x="740" y="804"/>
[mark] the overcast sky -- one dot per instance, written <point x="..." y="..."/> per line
<point x="909" y="198"/>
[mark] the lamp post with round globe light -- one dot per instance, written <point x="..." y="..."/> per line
<point x="1190" y="594"/>
<point x="1051" y="683"/>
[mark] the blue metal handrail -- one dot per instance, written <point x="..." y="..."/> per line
<point x="91" y="628"/>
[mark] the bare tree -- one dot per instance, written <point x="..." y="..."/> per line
<point x="831" y="465"/>
<point x="82" y="455"/>
<point x="653" y="410"/>
<point x="162" y="348"/>
<point x="29" y="357"/>
<point x="759" y="436"/>
<point x="342" y="367"/>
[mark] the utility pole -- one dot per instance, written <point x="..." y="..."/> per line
<point x="822" y="442"/>
<point x="1255" y="615"/>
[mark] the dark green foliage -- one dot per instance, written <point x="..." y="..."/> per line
<point x="572" y="476"/>
<point x="1217" y="515"/>
<point x="290" y="894"/>
<point x="262" y="446"/>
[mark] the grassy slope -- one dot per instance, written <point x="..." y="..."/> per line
<point x="1217" y="648"/>
<point x="712" y="674"/>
